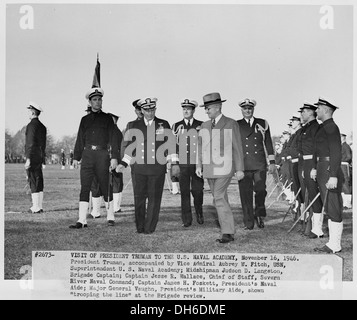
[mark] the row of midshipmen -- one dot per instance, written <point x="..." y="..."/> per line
<point x="314" y="164"/>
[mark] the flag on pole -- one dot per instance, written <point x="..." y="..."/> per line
<point x="96" y="77"/>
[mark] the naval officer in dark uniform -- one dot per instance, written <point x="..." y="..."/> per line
<point x="186" y="132"/>
<point x="298" y="186"/>
<point x="306" y="150"/>
<point x="257" y="148"/>
<point x="149" y="143"/>
<point x="96" y="135"/>
<point x="35" y="147"/>
<point x="139" y="116"/>
<point x="328" y="174"/>
<point x="346" y="162"/>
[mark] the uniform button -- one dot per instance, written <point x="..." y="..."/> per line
<point x="246" y="138"/>
<point x="255" y="138"/>
<point x="255" y="145"/>
<point x="142" y="157"/>
<point x="194" y="144"/>
<point x="142" y="144"/>
<point x="255" y="152"/>
<point x="246" y="145"/>
<point x="247" y="152"/>
<point x="194" y="136"/>
<point x="153" y="150"/>
<point x="186" y="151"/>
<point x="153" y="143"/>
<point x="142" y="150"/>
<point x="153" y="157"/>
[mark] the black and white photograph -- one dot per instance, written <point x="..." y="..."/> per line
<point x="194" y="151"/>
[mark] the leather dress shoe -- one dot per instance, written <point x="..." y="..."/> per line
<point x="186" y="225"/>
<point x="314" y="236"/>
<point x="200" y="219"/>
<point x="78" y="225"/>
<point x="140" y="231"/>
<point x="118" y="211"/>
<point x="260" y="222"/>
<point x="92" y="217"/>
<point x="111" y="223"/>
<point x="34" y="212"/>
<point x="225" y="238"/>
<point x="148" y="232"/>
<point x="245" y="228"/>
<point x="325" y="249"/>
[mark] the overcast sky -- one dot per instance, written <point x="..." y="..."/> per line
<point x="278" y="55"/>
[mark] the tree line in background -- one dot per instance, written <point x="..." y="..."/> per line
<point x="15" y="147"/>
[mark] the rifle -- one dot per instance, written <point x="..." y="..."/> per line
<point x="305" y="210"/>
<point x="280" y="194"/>
<point x="292" y="204"/>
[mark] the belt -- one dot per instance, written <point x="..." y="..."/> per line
<point x="94" y="148"/>
<point x="283" y="158"/>
<point x="288" y="157"/>
<point x="345" y="163"/>
<point x="307" y="156"/>
<point x="323" y="158"/>
<point x="294" y="160"/>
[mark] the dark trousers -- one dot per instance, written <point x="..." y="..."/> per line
<point x="311" y="186"/>
<point x="334" y="203"/>
<point x="190" y="183"/>
<point x="253" y="182"/>
<point x="347" y="185"/>
<point x="95" y="164"/>
<point x="35" y="176"/>
<point x="147" y="187"/>
<point x="96" y="193"/>
<point x="302" y="181"/>
<point x="294" y="173"/>
<point x="117" y="182"/>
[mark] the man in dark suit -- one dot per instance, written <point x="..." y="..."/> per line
<point x="220" y="157"/>
<point x="149" y="144"/>
<point x="35" y="147"/>
<point x="257" y="149"/>
<point x="186" y="132"/>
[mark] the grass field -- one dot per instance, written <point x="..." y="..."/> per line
<point x="25" y="232"/>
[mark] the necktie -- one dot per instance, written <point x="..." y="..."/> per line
<point x="213" y="123"/>
<point x="250" y="122"/>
